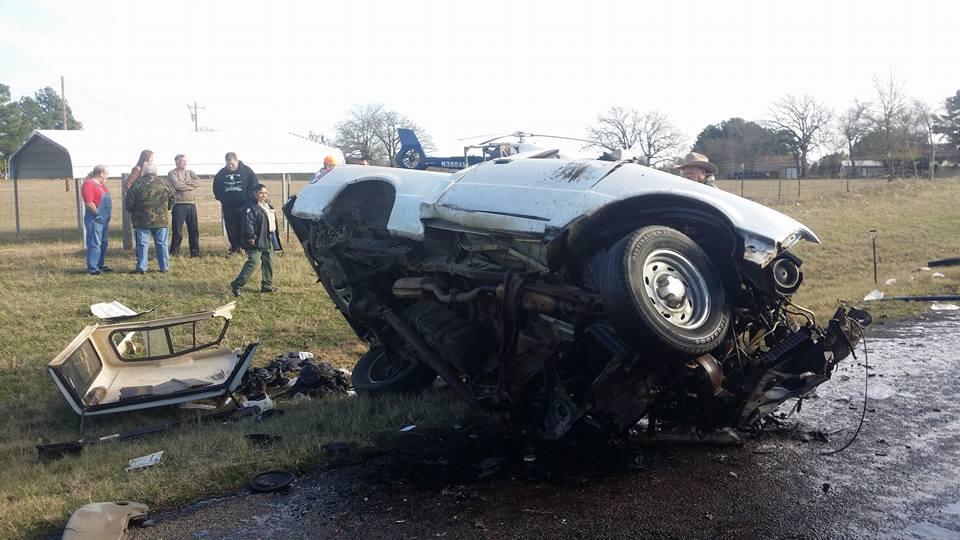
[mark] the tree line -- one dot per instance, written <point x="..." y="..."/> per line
<point x="43" y="110"/>
<point x="901" y="132"/>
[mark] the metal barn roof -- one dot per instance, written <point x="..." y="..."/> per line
<point x="73" y="153"/>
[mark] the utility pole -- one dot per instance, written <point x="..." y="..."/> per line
<point x="63" y="98"/>
<point x="193" y="114"/>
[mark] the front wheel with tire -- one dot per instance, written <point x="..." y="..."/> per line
<point x="377" y="372"/>
<point x="661" y="290"/>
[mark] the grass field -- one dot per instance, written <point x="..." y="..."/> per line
<point x="46" y="297"/>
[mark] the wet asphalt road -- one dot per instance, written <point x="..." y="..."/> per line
<point x="899" y="479"/>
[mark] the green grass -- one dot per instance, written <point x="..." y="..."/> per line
<point x="46" y="297"/>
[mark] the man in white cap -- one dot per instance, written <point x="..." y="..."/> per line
<point x="698" y="168"/>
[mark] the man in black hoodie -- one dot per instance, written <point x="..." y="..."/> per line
<point x="231" y="186"/>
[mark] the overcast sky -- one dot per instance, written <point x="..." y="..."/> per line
<point x="461" y="69"/>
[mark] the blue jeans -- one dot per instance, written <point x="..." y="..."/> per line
<point x="97" y="228"/>
<point x="159" y="235"/>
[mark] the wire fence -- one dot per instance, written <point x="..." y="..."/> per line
<point x="52" y="209"/>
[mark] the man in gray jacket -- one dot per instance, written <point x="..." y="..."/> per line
<point x="184" y="183"/>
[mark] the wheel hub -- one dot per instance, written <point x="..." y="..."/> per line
<point x="676" y="289"/>
<point x="671" y="291"/>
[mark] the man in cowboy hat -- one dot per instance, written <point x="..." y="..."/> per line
<point x="698" y="168"/>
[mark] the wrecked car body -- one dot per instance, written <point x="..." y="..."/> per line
<point x="131" y="366"/>
<point x="570" y="292"/>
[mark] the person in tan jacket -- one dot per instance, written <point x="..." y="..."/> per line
<point x="184" y="184"/>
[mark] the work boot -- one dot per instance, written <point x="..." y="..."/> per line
<point x="268" y="289"/>
<point x="235" y="291"/>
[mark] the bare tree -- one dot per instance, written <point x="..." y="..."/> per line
<point x="356" y="135"/>
<point x="926" y="120"/>
<point x="890" y="117"/>
<point x="614" y="129"/>
<point x="656" y="137"/>
<point x="803" y="123"/>
<point x="852" y="126"/>
<point x="651" y="133"/>
<point x="370" y="132"/>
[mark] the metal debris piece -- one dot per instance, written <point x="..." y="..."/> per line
<point x="144" y="461"/>
<point x="115" y="311"/>
<point x="271" y="481"/>
<point x="103" y="520"/>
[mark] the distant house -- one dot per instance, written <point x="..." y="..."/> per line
<point x="864" y="168"/>
<point x="766" y="167"/>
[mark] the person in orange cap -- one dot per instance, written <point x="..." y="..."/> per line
<point x="329" y="163"/>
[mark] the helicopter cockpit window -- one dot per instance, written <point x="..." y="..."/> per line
<point x="166" y="341"/>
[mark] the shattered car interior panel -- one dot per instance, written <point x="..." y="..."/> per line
<point x="560" y="293"/>
<point x="137" y="365"/>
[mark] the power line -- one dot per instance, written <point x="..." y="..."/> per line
<point x="105" y="104"/>
<point x="193" y="114"/>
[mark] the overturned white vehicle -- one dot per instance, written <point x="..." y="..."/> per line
<point x="559" y="292"/>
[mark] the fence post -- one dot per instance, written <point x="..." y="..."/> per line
<point x="16" y="204"/>
<point x="741" y="186"/>
<point x="76" y="186"/>
<point x="798" y="188"/>
<point x="125" y="224"/>
<point x="779" y="189"/>
<point x="286" y="224"/>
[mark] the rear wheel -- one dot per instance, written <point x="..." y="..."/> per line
<point x="378" y="372"/>
<point x="660" y="289"/>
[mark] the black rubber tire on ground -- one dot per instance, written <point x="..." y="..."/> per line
<point x="661" y="290"/>
<point x="375" y="374"/>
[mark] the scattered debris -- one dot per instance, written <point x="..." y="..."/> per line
<point x="115" y="311"/>
<point x="261" y="402"/>
<point x="529" y="458"/>
<point x="55" y="451"/>
<point x="891" y="281"/>
<point x="271" y="481"/>
<point x="925" y="298"/>
<point x="144" y="461"/>
<point x="115" y="368"/>
<point x="719" y="437"/>
<point x="944" y="307"/>
<point x="937" y="275"/>
<point x="873" y="295"/>
<point x="826" y="487"/>
<point x="952" y="261"/>
<point x="411" y="427"/>
<point x="102" y="520"/>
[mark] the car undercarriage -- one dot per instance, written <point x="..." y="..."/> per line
<point x="649" y="307"/>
